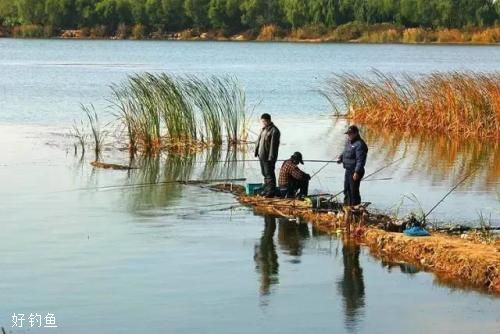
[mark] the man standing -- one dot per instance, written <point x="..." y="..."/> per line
<point x="267" y="152"/>
<point x="292" y="178"/>
<point x="354" y="160"/>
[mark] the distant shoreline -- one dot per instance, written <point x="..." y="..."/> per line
<point x="370" y="35"/>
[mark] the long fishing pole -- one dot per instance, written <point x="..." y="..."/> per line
<point x="324" y="166"/>
<point x="450" y="191"/>
<point x="156" y="183"/>
<point x="374" y="173"/>
<point x="257" y="160"/>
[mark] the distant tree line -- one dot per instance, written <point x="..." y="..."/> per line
<point x="233" y="16"/>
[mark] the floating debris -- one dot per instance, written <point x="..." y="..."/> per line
<point x="103" y="165"/>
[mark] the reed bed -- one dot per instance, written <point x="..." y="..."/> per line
<point x="461" y="104"/>
<point x="163" y="111"/>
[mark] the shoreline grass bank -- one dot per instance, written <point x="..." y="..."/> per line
<point x="348" y="33"/>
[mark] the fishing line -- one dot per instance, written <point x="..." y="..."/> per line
<point x="374" y="173"/>
<point x="257" y="160"/>
<point x="326" y="164"/>
<point x="450" y="191"/>
<point x="137" y="185"/>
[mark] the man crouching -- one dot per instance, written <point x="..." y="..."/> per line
<point x="292" y="181"/>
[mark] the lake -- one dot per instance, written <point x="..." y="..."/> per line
<point x="106" y="256"/>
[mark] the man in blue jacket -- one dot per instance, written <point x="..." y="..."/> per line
<point x="354" y="160"/>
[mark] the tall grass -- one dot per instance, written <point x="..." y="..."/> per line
<point x="78" y="131"/>
<point x="97" y="132"/>
<point x="201" y="97"/>
<point x="160" y="110"/>
<point x="487" y="36"/>
<point x="460" y="104"/>
<point x="90" y="127"/>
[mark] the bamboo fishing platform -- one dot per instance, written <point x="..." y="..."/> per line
<point x="457" y="260"/>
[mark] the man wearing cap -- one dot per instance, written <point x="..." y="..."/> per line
<point x="292" y="179"/>
<point x="267" y="152"/>
<point x="354" y="159"/>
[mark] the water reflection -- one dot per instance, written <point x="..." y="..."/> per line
<point x="152" y="170"/>
<point x="351" y="286"/>
<point x="266" y="258"/>
<point x="292" y="236"/>
<point x="404" y="268"/>
<point x="158" y="176"/>
<point x="439" y="157"/>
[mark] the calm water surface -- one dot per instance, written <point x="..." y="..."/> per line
<point x="182" y="259"/>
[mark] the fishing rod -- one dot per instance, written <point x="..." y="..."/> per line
<point x="449" y="192"/>
<point x="374" y="173"/>
<point x="327" y="162"/>
<point x="257" y="160"/>
<point x="381" y="179"/>
<point x="235" y="206"/>
<point x="157" y="183"/>
<point x="173" y="210"/>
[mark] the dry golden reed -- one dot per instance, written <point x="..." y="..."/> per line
<point x="462" y="104"/>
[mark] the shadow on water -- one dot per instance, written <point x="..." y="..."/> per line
<point x="292" y="239"/>
<point x="351" y="286"/>
<point x="440" y="158"/>
<point x="266" y="257"/>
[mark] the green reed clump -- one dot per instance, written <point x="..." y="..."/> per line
<point x="161" y="110"/>
<point x="89" y="127"/>
<point x="78" y="131"/>
<point x="204" y="100"/>
<point x="98" y="134"/>
<point x="464" y="104"/>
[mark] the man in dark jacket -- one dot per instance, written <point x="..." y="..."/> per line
<point x="292" y="179"/>
<point x="354" y="160"/>
<point x="267" y="152"/>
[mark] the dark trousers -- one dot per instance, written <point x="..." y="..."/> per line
<point x="351" y="188"/>
<point x="267" y="169"/>
<point x="297" y="185"/>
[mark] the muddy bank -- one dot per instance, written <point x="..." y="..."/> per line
<point x="461" y="262"/>
<point x="454" y="260"/>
